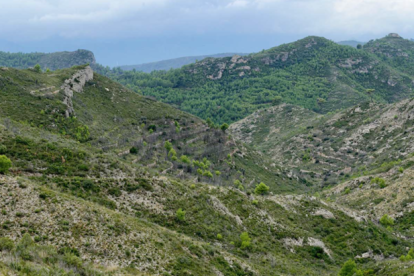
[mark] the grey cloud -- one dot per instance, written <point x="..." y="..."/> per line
<point x="34" y="19"/>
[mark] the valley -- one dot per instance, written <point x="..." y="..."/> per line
<point x="296" y="160"/>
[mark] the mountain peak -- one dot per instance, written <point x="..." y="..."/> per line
<point x="394" y="35"/>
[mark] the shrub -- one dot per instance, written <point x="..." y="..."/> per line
<point x="219" y="236"/>
<point x="6" y="244"/>
<point x="5" y="164"/>
<point x="185" y="159"/>
<point x="207" y="174"/>
<point x="245" y="240"/>
<point x="261" y="189"/>
<point x="73" y="260"/>
<point x="224" y="127"/>
<point x="133" y="150"/>
<point x="180" y="214"/>
<point x="3" y="149"/>
<point x="167" y="146"/>
<point x="37" y="68"/>
<point x="172" y="152"/>
<point x="145" y="184"/>
<point x="348" y="269"/>
<point x="152" y="128"/>
<point x="115" y="192"/>
<point x="277" y="100"/>
<point x="379" y="181"/>
<point x="386" y="220"/>
<point x="255" y="202"/>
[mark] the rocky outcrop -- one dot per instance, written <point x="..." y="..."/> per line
<point x="75" y="84"/>
<point x="394" y="35"/>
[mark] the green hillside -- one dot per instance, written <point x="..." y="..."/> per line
<point x="95" y="189"/>
<point x="53" y="61"/>
<point x="314" y="73"/>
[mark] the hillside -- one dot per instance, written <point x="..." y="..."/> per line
<point x="332" y="147"/>
<point x="94" y="189"/>
<point x="172" y="63"/>
<point x="53" y="61"/>
<point x="394" y="50"/>
<point x="314" y="73"/>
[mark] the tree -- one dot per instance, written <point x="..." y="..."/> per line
<point x="386" y="220"/>
<point x="185" y="159"/>
<point x="370" y="92"/>
<point x="172" y="152"/>
<point x="5" y="164"/>
<point x="261" y="189"/>
<point x="37" y="68"/>
<point x="359" y="46"/>
<point x="321" y="101"/>
<point x="245" y="240"/>
<point x="349" y="269"/>
<point x="209" y="122"/>
<point x="207" y="174"/>
<point x="224" y="127"/>
<point x="277" y="100"/>
<point x="167" y="146"/>
<point x="180" y="215"/>
<point x="133" y="150"/>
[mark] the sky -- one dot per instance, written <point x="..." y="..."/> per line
<point x="127" y="32"/>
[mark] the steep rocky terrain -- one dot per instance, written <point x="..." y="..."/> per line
<point x="95" y="189"/>
<point x="332" y="147"/>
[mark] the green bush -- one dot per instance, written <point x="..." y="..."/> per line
<point x="37" y="68"/>
<point x="348" y="269"/>
<point x="224" y="127"/>
<point x="207" y="174"/>
<point x="3" y="149"/>
<point x="6" y="244"/>
<point x="261" y="189"/>
<point x="379" y="181"/>
<point x="386" y="220"/>
<point x="185" y="159"/>
<point x="5" y="164"/>
<point x="180" y="214"/>
<point x="133" y="150"/>
<point x="245" y="240"/>
<point x="167" y="146"/>
<point x="219" y="236"/>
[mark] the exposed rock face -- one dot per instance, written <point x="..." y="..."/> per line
<point x="394" y="35"/>
<point x="324" y="213"/>
<point x="75" y="84"/>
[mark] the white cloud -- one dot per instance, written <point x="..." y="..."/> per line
<point x="31" y="19"/>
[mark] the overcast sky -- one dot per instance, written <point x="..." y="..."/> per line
<point x="136" y="31"/>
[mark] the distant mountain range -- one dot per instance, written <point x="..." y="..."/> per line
<point x="173" y="63"/>
<point x="352" y="43"/>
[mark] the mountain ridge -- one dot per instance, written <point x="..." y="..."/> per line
<point x="173" y="63"/>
